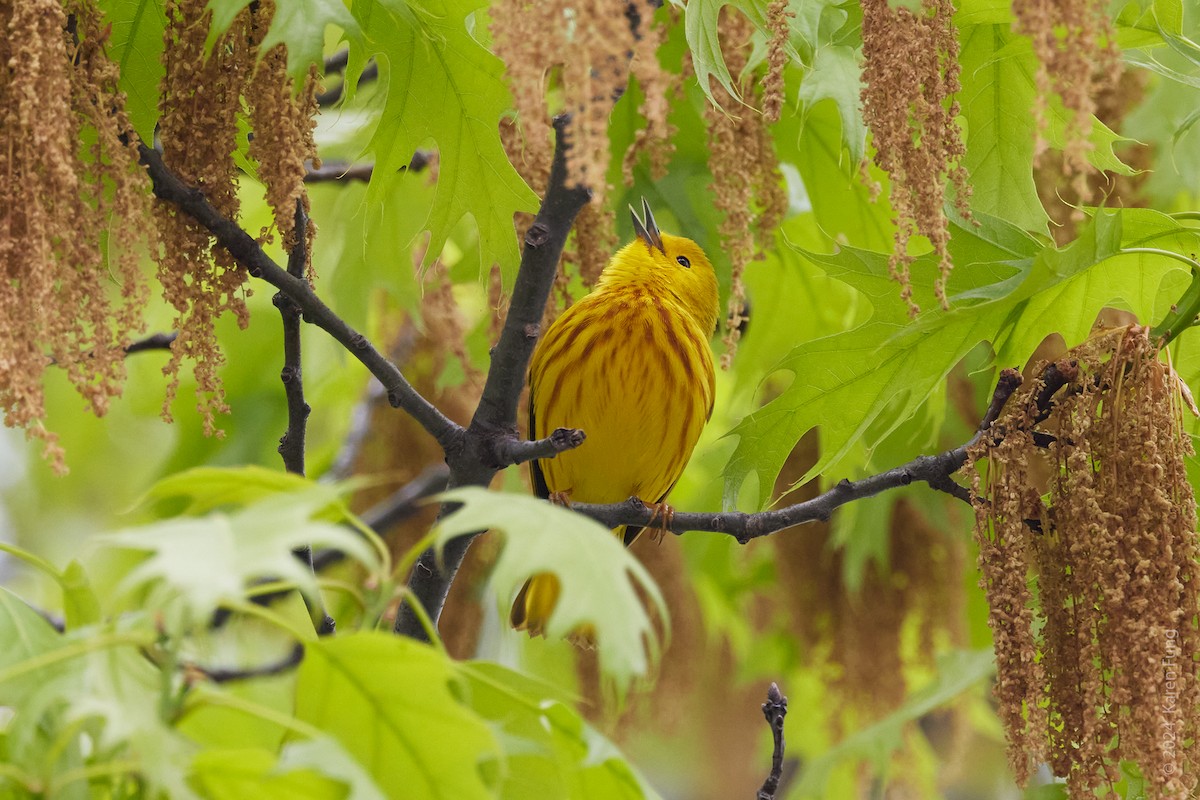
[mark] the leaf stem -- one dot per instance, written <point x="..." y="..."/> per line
<point x="1183" y="314"/>
<point x="46" y="660"/>
<point x="101" y="770"/>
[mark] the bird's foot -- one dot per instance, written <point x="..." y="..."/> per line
<point x="561" y="498"/>
<point x="661" y="519"/>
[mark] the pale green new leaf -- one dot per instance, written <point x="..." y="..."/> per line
<point x="836" y="75"/>
<point x="997" y="101"/>
<point x="26" y="634"/>
<point x="204" y="561"/>
<point x="136" y="45"/>
<point x="998" y="69"/>
<point x="599" y="578"/>
<point x="700" y="27"/>
<point x="388" y="700"/>
<point x="327" y="756"/>
<point x="444" y="86"/>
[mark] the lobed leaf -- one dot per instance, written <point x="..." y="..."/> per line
<point x="443" y="86"/>
<point x="599" y="578"/>
<point x="388" y="701"/>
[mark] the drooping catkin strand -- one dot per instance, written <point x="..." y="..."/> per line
<point x="282" y="120"/>
<point x="658" y="87"/>
<point x="746" y="183"/>
<point x="61" y="294"/>
<point x="201" y="98"/>
<point x="1077" y="60"/>
<point x="910" y="77"/>
<point x="1094" y="502"/>
<point x="778" y="18"/>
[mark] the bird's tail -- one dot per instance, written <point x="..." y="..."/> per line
<point x="537" y="598"/>
<point x="534" y="604"/>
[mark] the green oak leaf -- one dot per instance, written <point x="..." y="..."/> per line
<point x="444" y="87"/>
<point x="136" y="45"/>
<point x="299" y="24"/>
<point x="389" y="701"/>
<point x="1009" y="290"/>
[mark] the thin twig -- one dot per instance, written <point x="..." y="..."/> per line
<point x="156" y="341"/>
<point x="291" y="445"/>
<point x="218" y="675"/>
<point x="346" y="172"/>
<point x="775" y="709"/>
<point x="936" y="471"/>
<point x="490" y="438"/>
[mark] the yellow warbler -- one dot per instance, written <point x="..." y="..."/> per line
<point x="630" y="364"/>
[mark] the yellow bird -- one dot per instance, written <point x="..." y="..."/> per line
<point x="630" y="365"/>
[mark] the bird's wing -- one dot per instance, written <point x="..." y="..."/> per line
<point x="535" y="468"/>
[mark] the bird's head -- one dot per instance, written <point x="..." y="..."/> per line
<point x="672" y="264"/>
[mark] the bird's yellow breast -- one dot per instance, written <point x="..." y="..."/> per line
<point x="635" y="372"/>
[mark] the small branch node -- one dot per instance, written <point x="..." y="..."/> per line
<point x="774" y="711"/>
<point x="533" y="330"/>
<point x="537" y="235"/>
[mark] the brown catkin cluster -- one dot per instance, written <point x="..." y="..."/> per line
<point x="283" y="123"/>
<point x="589" y="43"/>
<point x="604" y="40"/>
<point x="1077" y="60"/>
<point x="909" y="80"/>
<point x="61" y="294"/>
<point x="658" y="87"/>
<point x="746" y="183"/>
<point x="778" y="18"/>
<point x="519" y="39"/>
<point x="201" y="98"/>
<point x="1088" y="492"/>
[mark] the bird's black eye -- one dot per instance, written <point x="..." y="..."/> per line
<point x="683" y="262"/>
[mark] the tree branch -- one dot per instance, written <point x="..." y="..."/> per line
<point x="336" y="64"/>
<point x="156" y="341"/>
<point x="775" y="709"/>
<point x="291" y="445"/>
<point x="491" y="440"/>
<point x="345" y="171"/>
<point x="936" y="471"/>
<point x="518" y="451"/>
<point x="217" y="675"/>
<point x="168" y="186"/>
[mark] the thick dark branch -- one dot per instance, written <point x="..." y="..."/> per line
<point x="291" y="445"/>
<point x="157" y="341"/>
<point x="936" y="471"/>
<point x="775" y="709"/>
<point x="243" y="247"/>
<point x="539" y="263"/>
<point x="492" y="434"/>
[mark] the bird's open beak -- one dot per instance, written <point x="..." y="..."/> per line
<point x="647" y="231"/>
